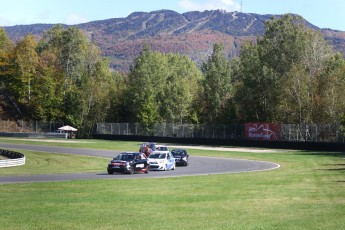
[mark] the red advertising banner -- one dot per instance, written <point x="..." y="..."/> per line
<point x="262" y="131"/>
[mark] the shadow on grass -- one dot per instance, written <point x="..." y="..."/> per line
<point x="326" y="154"/>
<point x="339" y="169"/>
<point x="335" y="167"/>
<point x="333" y="164"/>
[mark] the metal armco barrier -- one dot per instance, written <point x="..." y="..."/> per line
<point x="16" y="159"/>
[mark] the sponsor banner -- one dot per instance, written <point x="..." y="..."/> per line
<point x="262" y="131"/>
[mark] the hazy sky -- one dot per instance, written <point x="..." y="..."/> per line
<point x="322" y="13"/>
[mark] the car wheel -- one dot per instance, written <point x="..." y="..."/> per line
<point x="131" y="170"/>
<point x="110" y="172"/>
<point x="147" y="170"/>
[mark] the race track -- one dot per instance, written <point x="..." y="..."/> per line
<point x="198" y="166"/>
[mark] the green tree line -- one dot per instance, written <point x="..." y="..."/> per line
<point x="288" y="75"/>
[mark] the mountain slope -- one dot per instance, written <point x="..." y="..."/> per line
<point x="191" y="33"/>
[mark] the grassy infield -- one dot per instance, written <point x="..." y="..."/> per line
<point x="307" y="192"/>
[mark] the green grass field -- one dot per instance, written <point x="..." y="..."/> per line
<point x="307" y="192"/>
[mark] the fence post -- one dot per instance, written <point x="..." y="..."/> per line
<point x="316" y="133"/>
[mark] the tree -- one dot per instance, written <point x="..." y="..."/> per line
<point x="70" y="47"/>
<point x="27" y="60"/>
<point x="218" y="88"/>
<point x="180" y="90"/>
<point x="143" y="83"/>
<point x="162" y="88"/>
<point x="6" y="56"/>
<point x="280" y="75"/>
<point x="294" y="100"/>
<point x="317" y="55"/>
<point x="5" y="42"/>
<point x="331" y="91"/>
<point x="10" y="86"/>
<point x="78" y="78"/>
<point x="282" y="44"/>
<point x="95" y="95"/>
<point x="118" y="110"/>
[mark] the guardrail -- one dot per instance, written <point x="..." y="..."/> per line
<point x="15" y="158"/>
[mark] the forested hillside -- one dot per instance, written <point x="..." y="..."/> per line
<point x="191" y="33"/>
<point x="290" y="74"/>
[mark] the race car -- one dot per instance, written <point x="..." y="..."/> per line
<point x="181" y="156"/>
<point x="147" y="148"/>
<point x="129" y="162"/>
<point x="162" y="148"/>
<point x="162" y="160"/>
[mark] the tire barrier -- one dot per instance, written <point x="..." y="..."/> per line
<point x="15" y="158"/>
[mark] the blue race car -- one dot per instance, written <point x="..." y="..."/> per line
<point x="181" y="156"/>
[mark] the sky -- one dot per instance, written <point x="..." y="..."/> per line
<point x="321" y="13"/>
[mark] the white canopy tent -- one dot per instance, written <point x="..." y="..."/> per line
<point x="68" y="128"/>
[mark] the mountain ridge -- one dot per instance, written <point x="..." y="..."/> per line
<point x="192" y="33"/>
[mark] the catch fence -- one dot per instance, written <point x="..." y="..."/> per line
<point x="171" y="130"/>
<point x="21" y="126"/>
<point x="289" y="132"/>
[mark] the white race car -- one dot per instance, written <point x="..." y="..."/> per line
<point x="162" y="160"/>
<point x="162" y="148"/>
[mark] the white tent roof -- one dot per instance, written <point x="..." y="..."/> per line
<point x="67" y="128"/>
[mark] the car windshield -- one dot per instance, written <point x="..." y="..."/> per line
<point x="152" y="146"/>
<point x="177" y="152"/>
<point x="125" y="157"/>
<point x="158" y="155"/>
<point x="162" y="148"/>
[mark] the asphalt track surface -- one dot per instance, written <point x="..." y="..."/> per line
<point x="198" y="166"/>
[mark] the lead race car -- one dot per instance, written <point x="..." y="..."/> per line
<point x="129" y="162"/>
